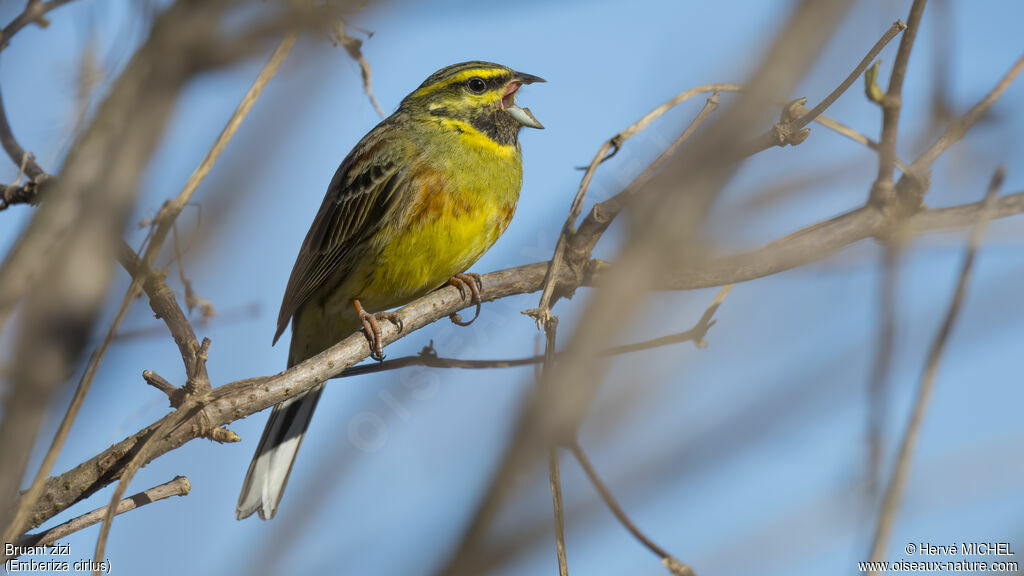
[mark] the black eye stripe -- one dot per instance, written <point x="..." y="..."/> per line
<point x="496" y="82"/>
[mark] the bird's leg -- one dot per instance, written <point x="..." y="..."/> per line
<point x="473" y="282"/>
<point x="371" y="328"/>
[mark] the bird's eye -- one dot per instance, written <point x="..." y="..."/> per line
<point x="476" y="85"/>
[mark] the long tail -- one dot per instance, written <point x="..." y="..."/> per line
<point x="312" y="332"/>
<point x="268" y="473"/>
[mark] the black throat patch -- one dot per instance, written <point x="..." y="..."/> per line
<point x="497" y="125"/>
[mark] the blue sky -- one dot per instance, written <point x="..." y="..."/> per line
<point x="743" y="457"/>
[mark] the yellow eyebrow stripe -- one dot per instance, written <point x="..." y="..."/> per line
<point x="484" y="73"/>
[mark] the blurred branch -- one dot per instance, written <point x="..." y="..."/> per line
<point x="877" y="413"/>
<point x="69" y="241"/>
<point x="901" y="468"/>
<point x="667" y="239"/>
<point x="18" y="155"/>
<point x="179" y="486"/>
<point x="161" y="298"/>
<point x="224" y="316"/>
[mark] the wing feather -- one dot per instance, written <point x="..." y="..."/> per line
<point x="357" y="200"/>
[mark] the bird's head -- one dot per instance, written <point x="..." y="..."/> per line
<point x="479" y="94"/>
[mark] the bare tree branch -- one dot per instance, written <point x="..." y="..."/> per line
<point x="179" y="486"/>
<point x="901" y="467"/>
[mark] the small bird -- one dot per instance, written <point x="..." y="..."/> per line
<point x="417" y="201"/>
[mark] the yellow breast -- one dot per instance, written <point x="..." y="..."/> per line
<point x="454" y="208"/>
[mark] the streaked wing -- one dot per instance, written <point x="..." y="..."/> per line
<point x="362" y="191"/>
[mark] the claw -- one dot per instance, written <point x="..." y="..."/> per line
<point x="475" y="285"/>
<point x="371" y="328"/>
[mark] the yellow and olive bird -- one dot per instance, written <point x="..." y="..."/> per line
<point x="417" y="201"/>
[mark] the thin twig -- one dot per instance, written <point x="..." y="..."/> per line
<point x="543" y="309"/>
<point x="354" y="47"/>
<point x="18" y="155"/>
<point x="854" y="135"/>
<point x="881" y="190"/>
<point x="790" y="130"/>
<point x="554" y="474"/>
<point x="174" y="394"/>
<point x="897" y="27"/>
<point x="670" y="562"/>
<point x="901" y="468"/>
<point x="179" y="486"/>
<point x="555" y="480"/>
<point x="142" y="456"/>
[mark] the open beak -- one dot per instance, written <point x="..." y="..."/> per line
<point x="508" y="100"/>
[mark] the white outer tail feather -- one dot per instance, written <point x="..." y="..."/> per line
<point x="272" y="464"/>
